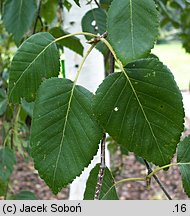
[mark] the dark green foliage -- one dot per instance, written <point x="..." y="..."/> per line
<point x="127" y="28"/>
<point x="94" y="21"/>
<point x="7" y="161"/>
<point x="72" y="43"/>
<point x="3" y="102"/>
<point x="30" y="66"/>
<point x="18" y="17"/>
<point x="49" y="10"/>
<point x="24" y="195"/>
<point x="145" y="114"/>
<point x="105" y="3"/>
<point x="140" y="106"/>
<point x="183" y="158"/>
<point x="77" y="2"/>
<point x="108" y="182"/>
<point x="175" y="15"/>
<point x="65" y="134"/>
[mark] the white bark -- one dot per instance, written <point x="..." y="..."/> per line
<point x="90" y="77"/>
<point x="186" y="99"/>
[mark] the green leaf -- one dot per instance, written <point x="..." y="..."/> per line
<point x="3" y="187"/>
<point x="124" y="150"/>
<point x="65" y="133"/>
<point x="67" y="5"/>
<point x="37" y="59"/>
<point x="28" y="107"/>
<point x="94" y="21"/>
<point x="3" y="102"/>
<point x="77" y="2"/>
<point x="73" y="43"/>
<point x="18" y="17"/>
<point x="7" y="161"/>
<point x="142" y="110"/>
<point x="183" y="157"/>
<point x="132" y="27"/>
<point x="25" y="195"/>
<point x="112" y="145"/>
<point x="62" y="62"/>
<point x="105" y="3"/>
<point x="49" y="10"/>
<point x="108" y="182"/>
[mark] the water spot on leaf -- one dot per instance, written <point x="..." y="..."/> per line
<point x="116" y="109"/>
<point x="153" y="73"/>
<point x="147" y="75"/>
<point x="93" y="23"/>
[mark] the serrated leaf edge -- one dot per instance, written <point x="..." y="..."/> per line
<point x="36" y="166"/>
<point x="30" y="63"/>
<point x="153" y="43"/>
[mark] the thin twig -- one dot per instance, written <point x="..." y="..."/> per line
<point x="41" y="22"/>
<point x="97" y="38"/>
<point x="109" y="59"/>
<point x="97" y="3"/>
<point x="157" y="180"/>
<point x="106" y="58"/>
<point x="102" y="169"/>
<point x="112" y="63"/>
<point x="60" y="12"/>
<point x="61" y="4"/>
<point x="38" y="17"/>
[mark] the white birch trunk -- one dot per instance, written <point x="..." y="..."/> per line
<point x="186" y="100"/>
<point x="90" y="77"/>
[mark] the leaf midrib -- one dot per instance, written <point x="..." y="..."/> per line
<point x="145" y="116"/>
<point x="183" y="163"/>
<point x="132" y="27"/>
<point x="20" y="9"/>
<point x="63" y="132"/>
